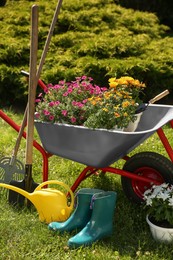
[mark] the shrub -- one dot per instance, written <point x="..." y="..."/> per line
<point x="95" y="38"/>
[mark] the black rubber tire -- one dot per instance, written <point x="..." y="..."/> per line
<point x="149" y="164"/>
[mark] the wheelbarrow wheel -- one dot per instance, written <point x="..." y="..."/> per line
<point x="146" y="164"/>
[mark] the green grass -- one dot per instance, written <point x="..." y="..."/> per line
<point x="23" y="236"/>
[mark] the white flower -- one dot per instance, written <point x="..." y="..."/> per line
<point x="147" y="192"/>
<point x="159" y="200"/>
<point x="170" y="202"/>
<point x="163" y="196"/>
<point x="157" y="190"/>
<point x="149" y="201"/>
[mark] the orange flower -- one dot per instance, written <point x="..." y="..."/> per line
<point x="117" y="114"/>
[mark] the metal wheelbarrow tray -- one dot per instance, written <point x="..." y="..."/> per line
<point x="100" y="147"/>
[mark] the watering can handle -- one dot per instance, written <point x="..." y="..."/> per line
<point x="39" y="187"/>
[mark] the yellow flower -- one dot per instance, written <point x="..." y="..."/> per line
<point x="125" y="81"/>
<point x="133" y="102"/>
<point x="119" y="94"/>
<point x="122" y="81"/>
<point x="112" y="79"/>
<point x="113" y="84"/>
<point x="125" y="114"/>
<point x="107" y="94"/>
<point x="125" y="104"/>
<point x="93" y="102"/>
<point x="105" y="109"/>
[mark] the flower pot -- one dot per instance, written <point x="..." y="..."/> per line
<point x="160" y="234"/>
<point x="133" y="125"/>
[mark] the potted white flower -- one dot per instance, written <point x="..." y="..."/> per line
<point x="159" y="204"/>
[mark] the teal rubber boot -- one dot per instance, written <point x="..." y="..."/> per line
<point x="81" y="214"/>
<point x="101" y="223"/>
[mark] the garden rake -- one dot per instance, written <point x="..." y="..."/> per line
<point x="10" y="167"/>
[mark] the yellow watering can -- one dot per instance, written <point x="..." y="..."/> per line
<point x="51" y="204"/>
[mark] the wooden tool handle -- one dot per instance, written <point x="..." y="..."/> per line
<point x="32" y="84"/>
<point x="43" y="57"/>
<point x="21" y="130"/>
<point x="159" y="96"/>
<point x="50" y="33"/>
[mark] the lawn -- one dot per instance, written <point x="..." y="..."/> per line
<point x="23" y="236"/>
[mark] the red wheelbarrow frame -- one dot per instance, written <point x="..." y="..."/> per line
<point x="88" y="170"/>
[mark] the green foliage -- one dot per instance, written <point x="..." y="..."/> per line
<point x="95" y="38"/>
<point x="163" y="8"/>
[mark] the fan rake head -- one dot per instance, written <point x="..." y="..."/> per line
<point x="10" y="170"/>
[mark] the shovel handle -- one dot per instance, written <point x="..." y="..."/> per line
<point x="159" y="96"/>
<point x="47" y="43"/>
<point x="32" y="83"/>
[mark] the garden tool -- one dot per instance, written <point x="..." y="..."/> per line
<point x="15" y="198"/>
<point x="142" y="107"/>
<point x="51" y="204"/>
<point x="81" y="215"/>
<point x="10" y="167"/>
<point x="100" y="224"/>
<point x="27" y="183"/>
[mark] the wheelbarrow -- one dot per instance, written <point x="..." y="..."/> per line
<point x="99" y="148"/>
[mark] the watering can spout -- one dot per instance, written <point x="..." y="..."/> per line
<point x="51" y="204"/>
<point x="16" y="189"/>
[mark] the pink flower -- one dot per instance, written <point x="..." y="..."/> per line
<point x="37" y="115"/>
<point x="64" y="112"/>
<point x="65" y="94"/>
<point x="69" y="90"/>
<point x="73" y="119"/>
<point x="62" y="82"/>
<point x="49" y="85"/>
<point x="57" y="103"/>
<point x="46" y="112"/>
<point x="37" y="100"/>
<point x="80" y="105"/>
<point x="51" y="117"/>
<point x="57" y="86"/>
<point x="52" y="103"/>
<point x="84" y="101"/>
<point x="74" y="103"/>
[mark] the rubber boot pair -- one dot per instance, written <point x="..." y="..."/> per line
<point x="93" y="215"/>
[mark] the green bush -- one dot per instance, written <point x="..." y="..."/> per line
<point x="163" y="8"/>
<point x="96" y="38"/>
